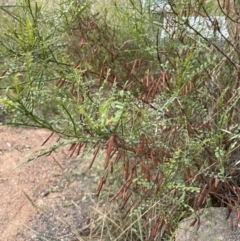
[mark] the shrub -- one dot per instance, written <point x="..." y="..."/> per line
<point x="164" y="110"/>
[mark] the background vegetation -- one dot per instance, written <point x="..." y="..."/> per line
<point x="147" y="87"/>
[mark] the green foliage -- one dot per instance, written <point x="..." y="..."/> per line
<point x="164" y="107"/>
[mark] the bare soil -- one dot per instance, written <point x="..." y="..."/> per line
<point x="47" y="199"/>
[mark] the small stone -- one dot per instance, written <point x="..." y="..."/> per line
<point x="8" y="144"/>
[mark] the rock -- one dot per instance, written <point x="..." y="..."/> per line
<point x="214" y="226"/>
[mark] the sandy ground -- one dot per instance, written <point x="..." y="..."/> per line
<point x="48" y="198"/>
